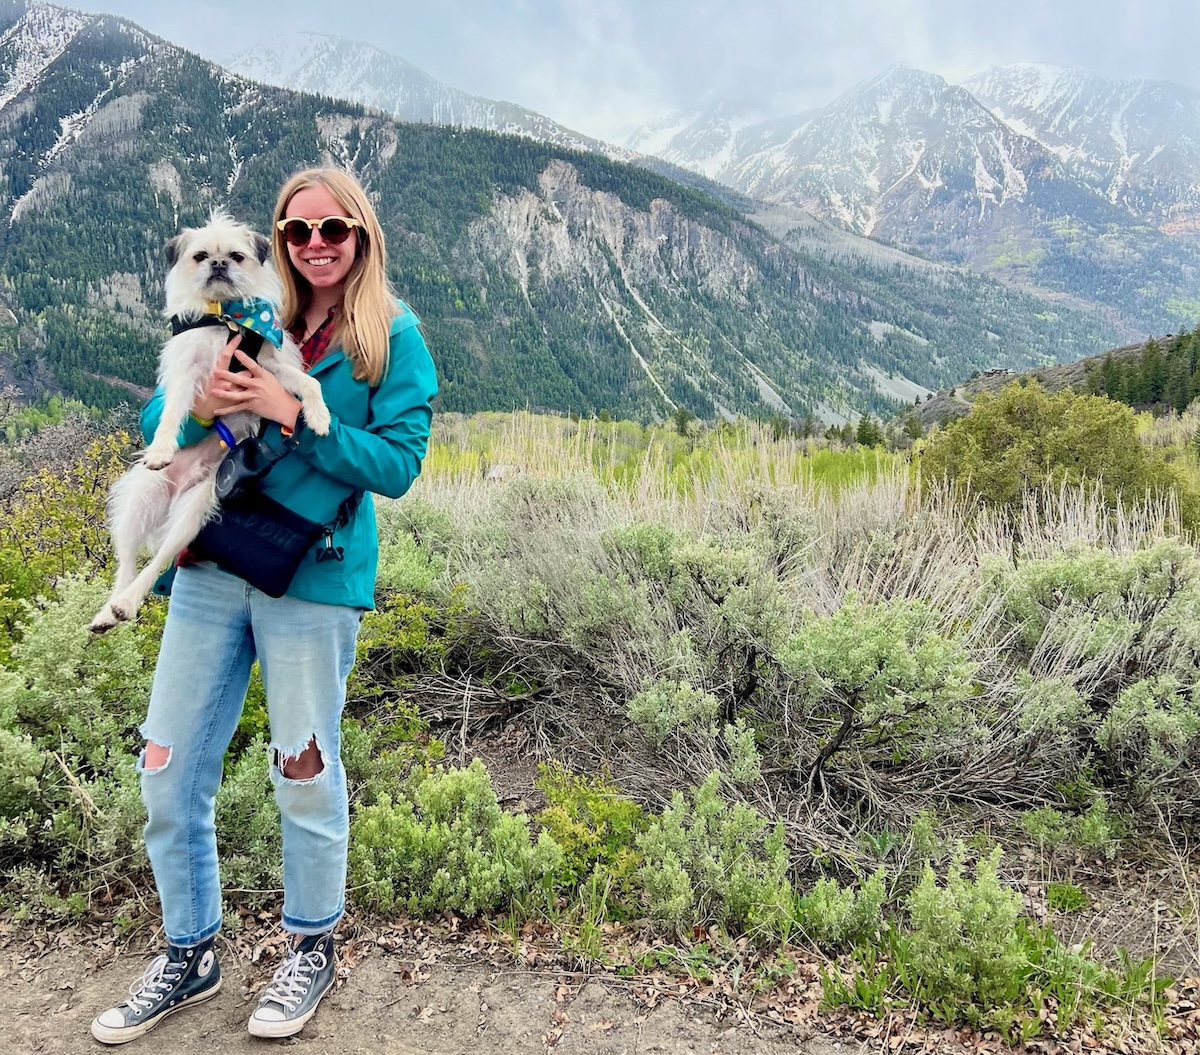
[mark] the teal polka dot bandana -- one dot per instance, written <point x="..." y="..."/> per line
<point x="253" y="314"/>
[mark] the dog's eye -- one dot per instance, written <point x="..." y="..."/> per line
<point x="237" y="258"/>
<point x="200" y="257"/>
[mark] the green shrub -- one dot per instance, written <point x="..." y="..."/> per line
<point x="668" y="707"/>
<point x="923" y="837"/>
<point x="68" y="740"/>
<point x="1151" y="743"/>
<point x="711" y="861"/>
<point x="963" y="940"/>
<point x="54" y="526"/>
<point x="834" y="916"/>
<point x="1104" y="607"/>
<point x="884" y="676"/>
<point x="1048" y="827"/>
<point x="249" y="842"/>
<point x="1066" y="897"/>
<point x="745" y="762"/>
<point x="595" y="826"/>
<point x="451" y="847"/>
<point x="1023" y="439"/>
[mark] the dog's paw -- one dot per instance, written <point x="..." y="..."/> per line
<point x="316" y="417"/>
<point x="105" y="620"/>
<point x="157" y="459"/>
<point x="123" y="609"/>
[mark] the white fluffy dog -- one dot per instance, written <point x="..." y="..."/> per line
<point x="164" y="500"/>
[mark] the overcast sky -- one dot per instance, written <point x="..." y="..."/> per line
<point x="595" y="64"/>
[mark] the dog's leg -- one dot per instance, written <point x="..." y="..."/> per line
<point x="137" y="508"/>
<point x="294" y="379"/>
<point x="189" y="513"/>
<point x="177" y="401"/>
<point x="316" y="414"/>
<point x="142" y="505"/>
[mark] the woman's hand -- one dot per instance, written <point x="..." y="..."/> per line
<point x="253" y="389"/>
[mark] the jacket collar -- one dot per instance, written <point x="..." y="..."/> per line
<point x="335" y="355"/>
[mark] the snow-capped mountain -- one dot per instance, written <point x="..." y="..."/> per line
<point x="1137" y="142"/>
<point x="1044" y="182"/>
<point x="360" y="73"/>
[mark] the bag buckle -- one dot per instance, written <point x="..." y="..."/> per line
<point x="330" y="552"/>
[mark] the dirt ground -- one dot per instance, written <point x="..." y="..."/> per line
<point x="384" y="1004"/>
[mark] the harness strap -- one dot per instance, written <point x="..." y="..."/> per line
<point x="251" y="342"/>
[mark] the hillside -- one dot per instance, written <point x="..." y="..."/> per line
<point x="949" y="403"/>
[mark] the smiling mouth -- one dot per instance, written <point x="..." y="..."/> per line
<point x="319" y="261"/>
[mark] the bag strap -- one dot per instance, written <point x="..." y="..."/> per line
<point x="341" y="518"/>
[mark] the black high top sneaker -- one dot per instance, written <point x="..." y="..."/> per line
<point x="175" y="979"/>
<point x="300" y="982"/>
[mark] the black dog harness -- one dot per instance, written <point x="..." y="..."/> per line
<point x="251" y="342"/>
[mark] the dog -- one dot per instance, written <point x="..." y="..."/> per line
<point x="220" y="280"/>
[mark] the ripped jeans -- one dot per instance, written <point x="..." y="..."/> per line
<point x="216" y="626"/>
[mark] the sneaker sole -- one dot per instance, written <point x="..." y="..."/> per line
<point x="288" y="1027"/>
<point x="108" y="1035"/>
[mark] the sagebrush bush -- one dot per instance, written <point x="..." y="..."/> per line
<point x="1098" y="619"/>
<point x="1150" y="741"/>
<point x="963" y="940"/>
<point x="884" y="675"/>
<point x="70" y="739"/>
<point x="709" y="860"/>
<point x="668" y="706"/>
<point x="835" y="916"/>
<point x="450" y="847"/>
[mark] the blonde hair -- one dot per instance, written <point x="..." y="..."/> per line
<point x="368" y="303"/>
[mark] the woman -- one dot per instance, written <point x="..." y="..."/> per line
<point x="377" y="379"/>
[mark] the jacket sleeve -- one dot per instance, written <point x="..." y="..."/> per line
<point x="191" y="432"/>
<point x="385" y="456"/>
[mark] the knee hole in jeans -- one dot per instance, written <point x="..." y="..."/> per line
<point x="155" y="757"/>
<point x="307" y="765"/>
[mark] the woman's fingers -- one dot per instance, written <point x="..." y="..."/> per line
<point x="251" y="365"/>
<point x="226" y="355"/>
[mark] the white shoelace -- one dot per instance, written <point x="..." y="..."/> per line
<point x="155" y="982"/>
<point x="292" y="979"/>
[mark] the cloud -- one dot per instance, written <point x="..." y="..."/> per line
<point x="596" y="65"/>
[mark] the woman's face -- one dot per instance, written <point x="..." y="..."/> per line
<point x="323" y="265"/>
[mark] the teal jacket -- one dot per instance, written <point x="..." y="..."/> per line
<point x="376" y="442"/>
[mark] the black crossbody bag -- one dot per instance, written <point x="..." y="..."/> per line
<point x="253" y="536"/>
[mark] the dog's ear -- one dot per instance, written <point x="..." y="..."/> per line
<point x="173" y="248"/>
<point x="262" y="247"/>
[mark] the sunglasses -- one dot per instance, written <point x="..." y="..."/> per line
<point x="334" y="229"/>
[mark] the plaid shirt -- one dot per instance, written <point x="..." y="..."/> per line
<point x="314" y="349"/>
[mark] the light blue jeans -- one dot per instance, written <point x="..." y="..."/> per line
<point x="216" y="626"/>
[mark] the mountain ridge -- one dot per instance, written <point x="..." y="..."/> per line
<point x="545" y="276"/>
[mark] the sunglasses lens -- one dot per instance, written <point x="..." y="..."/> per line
<point x="297" y="232"/>
<point x="335" y="231"/>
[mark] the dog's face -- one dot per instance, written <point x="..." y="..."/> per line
<point x="223" y="260"/>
